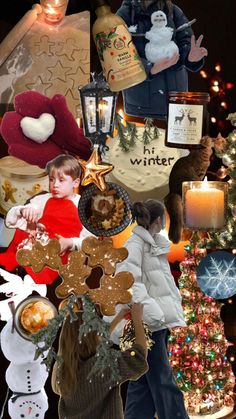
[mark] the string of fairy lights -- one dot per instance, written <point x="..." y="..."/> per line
<point x="199" y="353"/>
<point x="203" y="361"/>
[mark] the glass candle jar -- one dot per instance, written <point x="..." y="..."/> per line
<point x="205" y="204"/>
<point x="54" y="10"/>
<point x="187" y="119"/>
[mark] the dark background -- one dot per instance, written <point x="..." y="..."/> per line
<point x="215" y="19"/>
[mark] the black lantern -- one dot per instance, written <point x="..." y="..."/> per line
<point x="98" y="108"/>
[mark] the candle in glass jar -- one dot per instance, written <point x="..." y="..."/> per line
<point x="54" y="10"/>
<point x="205" y="205"/>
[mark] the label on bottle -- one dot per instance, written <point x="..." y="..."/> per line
<point x="117" y="53"/>
<point x="184" y="124"/>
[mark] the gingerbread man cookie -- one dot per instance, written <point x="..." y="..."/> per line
<point x="112" y="291"/>
<point x="74" y="274"/>
<point x="36" y="188"/>
<point x="40" y="256"/>
<point x="102" y="253"/>
<point x="9" y="191"/>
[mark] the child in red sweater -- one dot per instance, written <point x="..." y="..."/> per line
<point x="56" y="210"/>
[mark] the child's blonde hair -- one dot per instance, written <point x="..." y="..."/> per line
<point x="66" y="164"/>
<point x="72" y="351"/>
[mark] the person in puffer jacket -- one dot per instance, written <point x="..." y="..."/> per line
<point x="150" y="98"/>
<point x="155" y="287"/>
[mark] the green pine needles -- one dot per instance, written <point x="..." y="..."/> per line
<point x="128" y="133"/>
<point x="106" y="357"/>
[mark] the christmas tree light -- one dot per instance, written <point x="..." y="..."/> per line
<point x="220" y="91"/>
<point x="198" y="353"/>
<point x="227" y="151"/>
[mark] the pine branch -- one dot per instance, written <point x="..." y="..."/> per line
<point x="123" y="143"/>
<point x="45" y="338"/>
<point x="133" y="134"/>
<point x="150" y="132"/>
<point x="105" y="356"/>
<point x="128" y="134"/>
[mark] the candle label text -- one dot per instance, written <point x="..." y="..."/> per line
<point x="185" y="123"/>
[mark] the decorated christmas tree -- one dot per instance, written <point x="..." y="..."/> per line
<point x="198" y="352"/>
<point x="227" y="151"/>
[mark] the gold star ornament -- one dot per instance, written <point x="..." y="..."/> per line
<point x="94" y="170"/>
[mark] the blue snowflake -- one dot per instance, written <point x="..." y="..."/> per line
<point x="216" y="275"/>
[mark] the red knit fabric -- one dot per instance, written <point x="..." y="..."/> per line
<point x="61" y="217"/>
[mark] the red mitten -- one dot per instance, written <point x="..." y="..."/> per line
<point x="67" y="134"/>
<point x="22" y="147"/>
<point x="33" y="104"/>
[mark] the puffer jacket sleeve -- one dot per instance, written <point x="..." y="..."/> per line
<point x="183" y="40"/>
<point x="152" y="313"/>
<point x="125" y="12"/>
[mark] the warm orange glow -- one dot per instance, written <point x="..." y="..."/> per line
<point x="224" y="105"/>
<point x="121" y="113"/>
<point x="54" y="10"/>
<point x="203" y="74"/>
<point x="177" y="252"/>
<point x="120" y="239"/>
<point x="215" y="88"/>
<point x="229" y="86"/>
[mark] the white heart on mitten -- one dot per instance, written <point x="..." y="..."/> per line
<point x="38" y="129"/>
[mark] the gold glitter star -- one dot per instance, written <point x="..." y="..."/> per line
<point x="94" y="170"/>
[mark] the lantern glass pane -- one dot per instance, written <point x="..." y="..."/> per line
<point x="90" y="112"/>
<point x="104" y="110"/>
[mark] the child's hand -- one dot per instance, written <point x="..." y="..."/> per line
<point x="164" y="63"/>
<point x="197" y="52"/>
<point x="31" y="214"/>
<point x="137" y="311"/>
<point x="123" y="314"/>
<point x="66" y="244"/>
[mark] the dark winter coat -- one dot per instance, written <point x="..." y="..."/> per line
<point x="150" y="97"/>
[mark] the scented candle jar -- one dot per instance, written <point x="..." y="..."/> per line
<point x="187" y="119"/>
<point x="54" y="10"/>
<point x="205" y="204"/>
<point x="19" y="181"/>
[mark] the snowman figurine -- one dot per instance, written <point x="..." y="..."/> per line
<point x="25" y="376"/>
<point x="160" y="45"/>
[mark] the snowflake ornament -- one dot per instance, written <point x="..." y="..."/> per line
<point x="216" y="275"/>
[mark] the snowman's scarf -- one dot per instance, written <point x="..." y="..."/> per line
<point x="16" y="395"/>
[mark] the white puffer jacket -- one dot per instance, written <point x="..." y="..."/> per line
<point x="154" y="284"/>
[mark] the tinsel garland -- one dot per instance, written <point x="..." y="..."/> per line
<point x="128" y="133"/>
<point x="127" y="340"/>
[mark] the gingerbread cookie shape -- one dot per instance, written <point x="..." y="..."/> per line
<point x="74" y="274"/>
<point x="40" y="256"/>
<point x="102" y="253"/>
<point x="112" y="291"/>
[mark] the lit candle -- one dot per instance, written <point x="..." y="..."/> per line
<point x="204" y="204"/>
<point x="54" y="10"/>
<point x="78" y="120"/>
<point x="102" y="108"/>
<point x="92" y="113"/>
